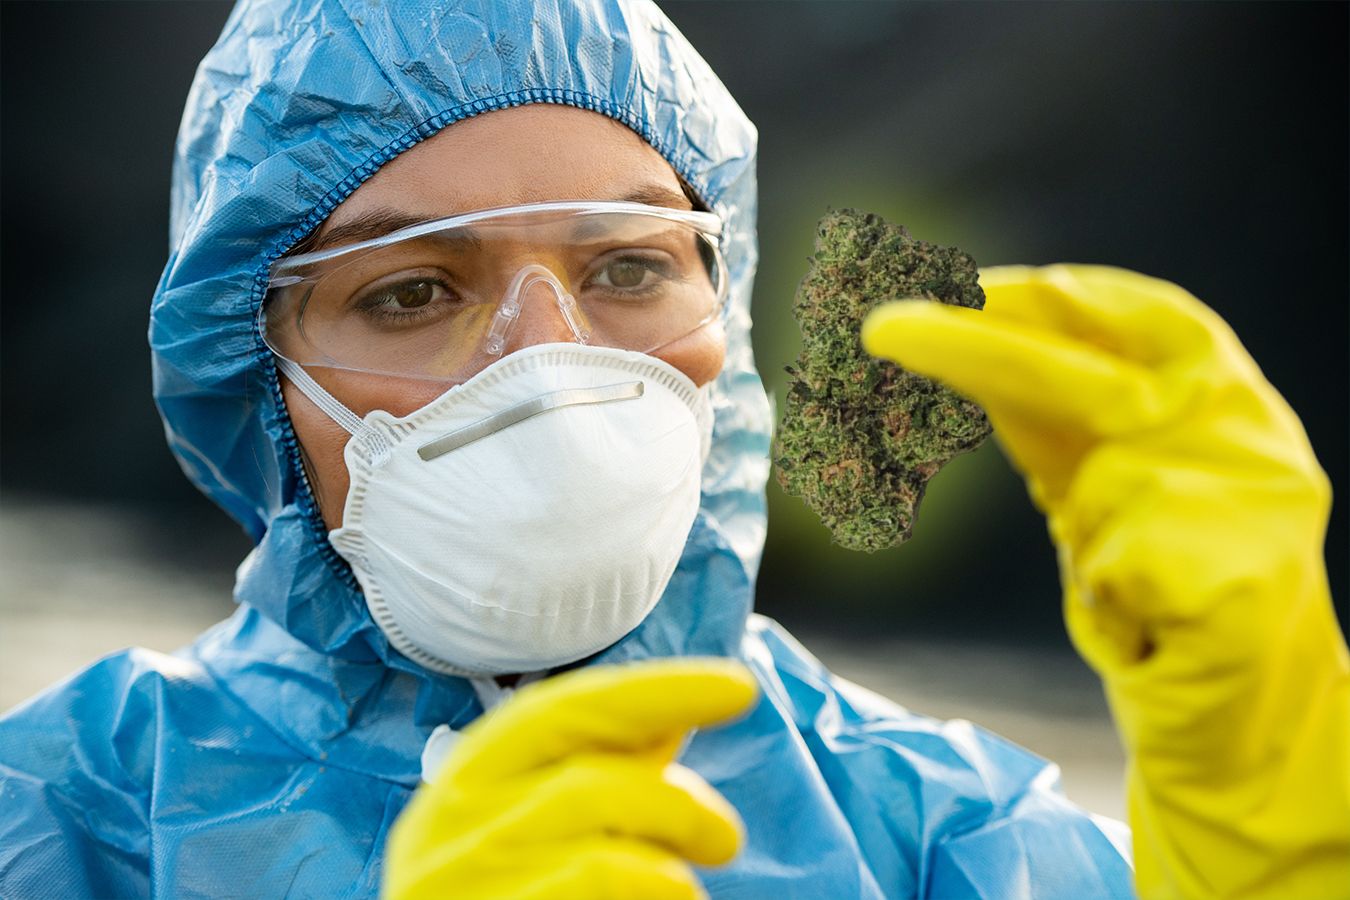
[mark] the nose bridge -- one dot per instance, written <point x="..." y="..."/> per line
<point x="536" y="308"/>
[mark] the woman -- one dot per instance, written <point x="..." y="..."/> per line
<point x="274" y="755"/>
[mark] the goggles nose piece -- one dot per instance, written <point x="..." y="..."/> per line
<point x="508" y="311"/>
<point x="506" y="315"/>
<point x="567" y="305"/>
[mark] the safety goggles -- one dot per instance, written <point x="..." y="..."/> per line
<point x="444" y="299"/>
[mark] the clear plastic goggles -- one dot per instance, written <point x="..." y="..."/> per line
<point x="444" y="299"/>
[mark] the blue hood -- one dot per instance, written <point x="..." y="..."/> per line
<point x="297" y="105"/>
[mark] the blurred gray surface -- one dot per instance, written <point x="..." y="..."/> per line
<point x="78" y="581"/>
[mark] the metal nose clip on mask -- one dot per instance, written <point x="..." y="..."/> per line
<point x="533" y="514"/>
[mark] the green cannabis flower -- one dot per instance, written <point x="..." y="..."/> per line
<point x="861" y="436"/>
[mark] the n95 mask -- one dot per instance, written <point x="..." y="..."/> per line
<point x="529" y="517"/>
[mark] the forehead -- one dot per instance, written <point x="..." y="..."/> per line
<point x="524" y="154"/>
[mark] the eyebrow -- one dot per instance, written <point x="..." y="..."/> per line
<point x="365" y="227"/>
<point x="657" y="195"/>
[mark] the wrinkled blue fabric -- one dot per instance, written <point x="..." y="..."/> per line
<point x="269" y="758"/>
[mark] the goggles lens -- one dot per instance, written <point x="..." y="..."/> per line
<point x="444" y="299"/>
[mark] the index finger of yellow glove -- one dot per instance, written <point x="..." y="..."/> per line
<point x="512" y="825"/>
<point x="634" y="707"/>
<point x="606" y="793"/>
<point x="1016" y="369"/>
<point x="1129" y="315"/>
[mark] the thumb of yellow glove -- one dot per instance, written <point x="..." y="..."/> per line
<point x="568" y="790"/>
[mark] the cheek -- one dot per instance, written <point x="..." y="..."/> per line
<point x="322" y="440"/>
<point x="321" y="443"/>
<point x="698" y="355"/>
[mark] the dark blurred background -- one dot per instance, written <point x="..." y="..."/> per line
<point x="1205" y="143"/>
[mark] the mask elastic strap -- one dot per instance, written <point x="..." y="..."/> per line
<point x="374" y="440"/>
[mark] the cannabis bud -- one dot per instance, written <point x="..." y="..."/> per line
<point x="861" y="436"/>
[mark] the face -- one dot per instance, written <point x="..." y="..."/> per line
<point x="526" y="154"/>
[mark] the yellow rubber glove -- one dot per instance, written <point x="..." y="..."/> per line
<point x="567" y="790"/>
<point x="1189" y="514"/>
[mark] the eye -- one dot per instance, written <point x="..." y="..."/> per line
<point x="624" y="274"/>
<point x="631" y="272"/>
<point x="406" y="295"/>
<point x="404" y="299"/>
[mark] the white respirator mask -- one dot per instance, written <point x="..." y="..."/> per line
<point x="529" y="517"/>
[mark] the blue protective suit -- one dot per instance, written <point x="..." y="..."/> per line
<point x="269" y="758"/>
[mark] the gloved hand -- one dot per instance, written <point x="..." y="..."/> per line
<point x="568" y="790"/>
<point x="1189" y="514"/>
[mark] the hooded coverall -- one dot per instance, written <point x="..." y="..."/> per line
<point x="271" y="756"/>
